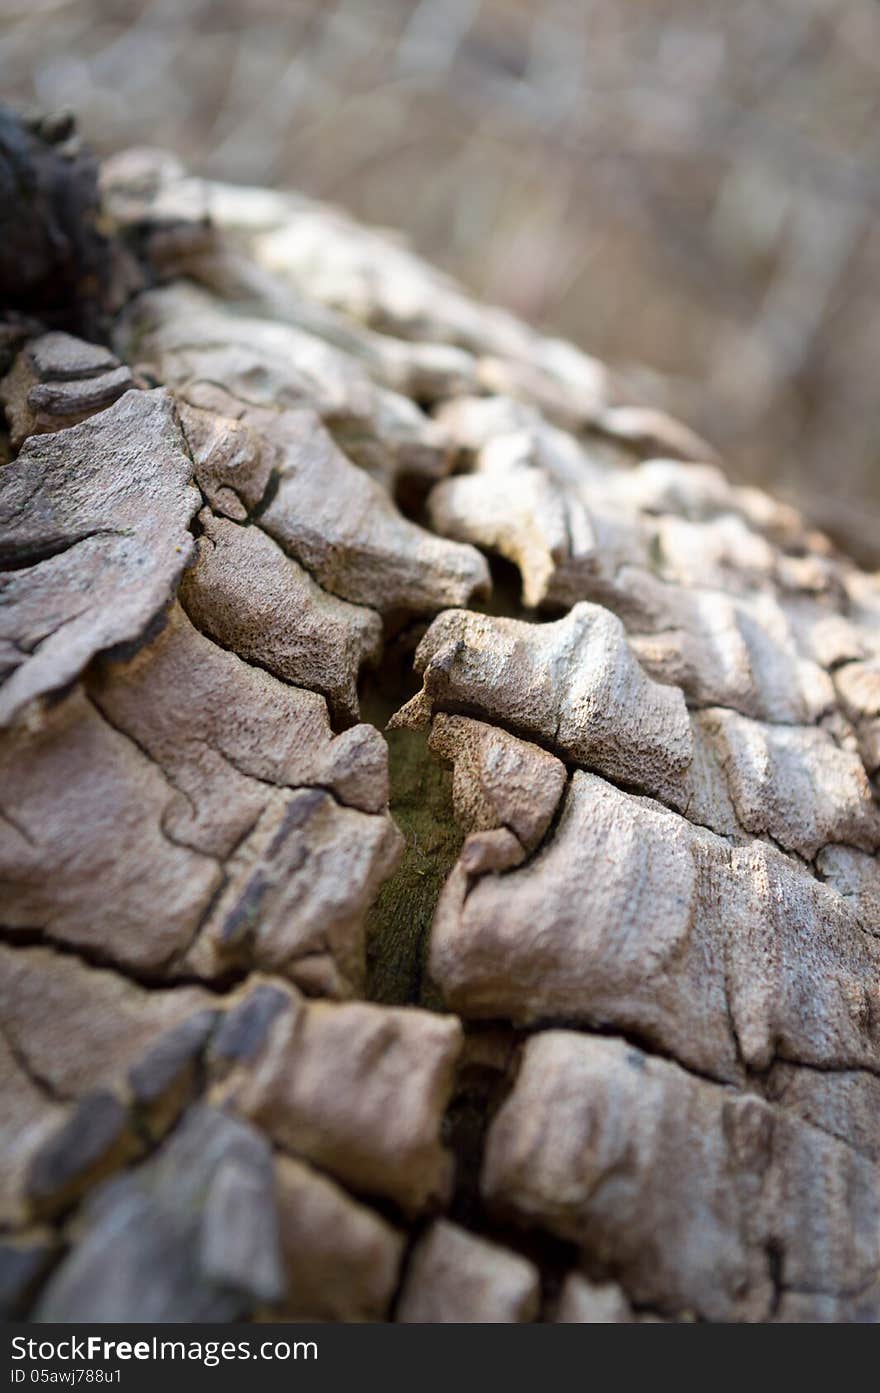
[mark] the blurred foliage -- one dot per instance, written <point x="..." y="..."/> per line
<point x="686" y="187"/>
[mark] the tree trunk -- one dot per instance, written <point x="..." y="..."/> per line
<point x="438" y="831"/>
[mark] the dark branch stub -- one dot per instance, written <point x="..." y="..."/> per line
<point x="54" y="260"/>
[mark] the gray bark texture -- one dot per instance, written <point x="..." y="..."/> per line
<point x="438" y="813"/>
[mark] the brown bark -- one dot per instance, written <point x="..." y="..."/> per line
<point x="615" y="900"/>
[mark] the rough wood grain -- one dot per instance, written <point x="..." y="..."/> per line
<point x="257" y="603"/>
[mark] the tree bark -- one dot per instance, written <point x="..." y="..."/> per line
<point x="439" y="814"/>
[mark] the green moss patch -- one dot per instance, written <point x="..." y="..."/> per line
<point x="399" y="922"/>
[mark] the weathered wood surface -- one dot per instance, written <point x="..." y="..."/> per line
<point x="628" y="1066"/>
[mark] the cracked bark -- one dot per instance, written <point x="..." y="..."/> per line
<point x="597" y="903"/>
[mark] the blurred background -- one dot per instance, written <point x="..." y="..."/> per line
<point x="687" y="188"/>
